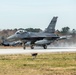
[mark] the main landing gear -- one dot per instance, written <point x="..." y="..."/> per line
<point x="24" y="46"/>
<point x="45" y="46"/>
<point x="32" y="46"/>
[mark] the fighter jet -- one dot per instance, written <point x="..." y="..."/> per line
<point x="43" y="38"/>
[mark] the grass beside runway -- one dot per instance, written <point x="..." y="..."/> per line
<point x="44" y="64"/>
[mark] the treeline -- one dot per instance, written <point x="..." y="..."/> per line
<point x="63" y="31"/>
<point x="66" y="31"/>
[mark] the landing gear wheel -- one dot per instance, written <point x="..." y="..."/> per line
<point x="45" y="46"/>
<point x="32" y="47"/>
<point x="24" y="47"/>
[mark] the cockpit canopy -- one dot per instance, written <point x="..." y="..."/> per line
<point x="21" y="31"/>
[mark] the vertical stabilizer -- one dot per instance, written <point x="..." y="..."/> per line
<point x="51" y="27"/>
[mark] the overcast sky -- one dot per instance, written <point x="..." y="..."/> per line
<point x="37" y="13"/>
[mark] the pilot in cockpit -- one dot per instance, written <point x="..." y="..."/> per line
<point x="20" y="31"/>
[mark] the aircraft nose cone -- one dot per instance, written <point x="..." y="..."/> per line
<point x="11" y="38"/>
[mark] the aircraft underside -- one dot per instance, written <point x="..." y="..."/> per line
<point x="38" y="42"/>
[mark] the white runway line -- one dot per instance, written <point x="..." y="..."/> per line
<point x="22" y="51"/>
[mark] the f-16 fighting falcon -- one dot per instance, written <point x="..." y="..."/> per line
<point x="43" y="38"/>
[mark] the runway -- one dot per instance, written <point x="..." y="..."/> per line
<point x="37" y="50"/>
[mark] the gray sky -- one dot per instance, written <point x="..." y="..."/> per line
<point x="37" y="13"/>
